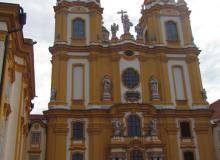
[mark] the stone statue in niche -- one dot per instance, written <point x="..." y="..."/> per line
<point x="154" y="89"/>
<point x="125" y="21"/>
<point x="118" y="127"/>
<point x="53" y="94"/>
<point x="114" y="30"/>
<point x="204" y="94"/>
<point x="152" y="126"/>
<point x="107" y="88"/>
<point x="138" y="30"/>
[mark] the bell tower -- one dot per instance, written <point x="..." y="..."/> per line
<point x="77" y="23"/>
<point x="166" y="22"/>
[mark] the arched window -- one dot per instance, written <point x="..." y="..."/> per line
<point x="77" y="156"/>
<point x="134" y="126"/>
<point x="78" y="28"/>
<point x="171" y="31"/>
<point x="136" y="155"/>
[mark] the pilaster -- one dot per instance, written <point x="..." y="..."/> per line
<point x="116" y="77"/>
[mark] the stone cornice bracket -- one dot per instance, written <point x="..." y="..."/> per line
<point x="93" y="57"/>
<point x="191" y="58"/>
<point x="163" y="57"/>
<point x="63" y="57"/>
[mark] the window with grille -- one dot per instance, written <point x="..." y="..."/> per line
<point x="136" y="155"/>
<point x="185" y="130"/>
<point x="78" y="28"/>
<point x="77" y="156"/>
<point x="34" y="157"/>
<point x="78" y="131"/>
<point x="35" y="137"/>
<point x="188" y="155"/>
<point x="171" y="31"/>
<point x="130" y="78"/>
<point x="134" y="126"/>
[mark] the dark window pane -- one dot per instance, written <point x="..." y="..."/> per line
<point x="77" y="156"/>
<point x="78" y="131"/>
<point x="185" y="130"/>
<point x="171" y="31"/>
<point x="78" y="28"/>
<point x="188" y="155"/>
<point x="136" y="155"/>
<point x="130" y="78"/>
<point x="134" y="127"/>
<point x="35" y="137"/>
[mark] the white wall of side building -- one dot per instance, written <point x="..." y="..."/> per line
<point x="11" y="128"/>
<point x="36" y="127"/>
<point x="216" y="136"/>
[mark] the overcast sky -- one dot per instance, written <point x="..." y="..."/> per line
<point x="40" y="27"/>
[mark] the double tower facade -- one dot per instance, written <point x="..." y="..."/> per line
<point x="129" y="97"/>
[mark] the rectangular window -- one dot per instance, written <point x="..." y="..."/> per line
<point x="179" y="83"/>
<point x="34" y="157"/>
<point x="185" y="130"/>
<point x="78" y="131"/>
<point x="35" y="138"/>
<point x="78" y="82"/>
<point x="188" y="155"/>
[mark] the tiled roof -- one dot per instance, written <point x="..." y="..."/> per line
<point x="215" y="107"/>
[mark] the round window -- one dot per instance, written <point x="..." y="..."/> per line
<point x="130" y="78"/>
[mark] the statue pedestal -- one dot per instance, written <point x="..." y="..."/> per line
<point x="114" y="39"/>
<point x="140" y="40"/>
<point x="127" y="36"/>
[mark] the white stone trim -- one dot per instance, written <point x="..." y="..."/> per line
<point x="135" y="64"/>
<point x="177" y="20"/>
<point x="70" y="18"/>
<point x="196" y="107"/>
<point x="78" y="54"/>
<point x="86" y="151"/>
<point x="184" y="66"/>
<point x="86" y="1"/>
<point x="84" y="62"/>
<point x="99" y="107"/>
<point x="192" y="124"/>
<point x="54" y="107"/>
<point x="164" y="107"/>
<point x="3" y="26"/>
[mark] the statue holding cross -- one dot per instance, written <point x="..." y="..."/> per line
<point x="125" y="21"/>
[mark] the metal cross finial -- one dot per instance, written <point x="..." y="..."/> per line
<point x="122" y="12"/>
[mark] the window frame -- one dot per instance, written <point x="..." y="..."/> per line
<point x="81" y="135"/>
<point x="189" y="151"/>
<point x="189" y="130"/>
<point x="139" y="155"/>
<point x="77" y="34"/>
<point x="31" y="157"/>
<point x="122" y="78"/>
<point x="170" y="32"/>
<point x="35" y="132"/>
<point x="134" y="130"/>
<point x="79" y="153"/>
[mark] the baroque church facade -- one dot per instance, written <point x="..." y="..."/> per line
<point x="112" y="97"/>
<point x="126" y="98"/>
